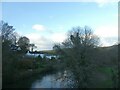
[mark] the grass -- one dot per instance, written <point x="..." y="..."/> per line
<point x="105" y="70"/>
<point x="106" y="73"/>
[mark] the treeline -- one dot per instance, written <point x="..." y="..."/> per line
<point x="91" y="65"/>
<point x="16" y="66"/>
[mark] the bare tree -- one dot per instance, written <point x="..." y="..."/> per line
<point x="75" y="50"/>
<point x="6" y="31"/>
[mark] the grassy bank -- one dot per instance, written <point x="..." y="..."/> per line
<point x="26" y="71"/>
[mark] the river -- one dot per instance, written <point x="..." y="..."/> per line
<point x="57" y="80"/>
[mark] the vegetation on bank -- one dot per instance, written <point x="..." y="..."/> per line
<point x="20" y="69"/>
<point x="91" y="66"/>
<point x="16" y="65"/>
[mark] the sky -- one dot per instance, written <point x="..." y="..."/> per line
<point x="47" y="23"/>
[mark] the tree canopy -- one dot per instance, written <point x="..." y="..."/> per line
<point x="23" y="42"/>
<point x="75" y="50"/>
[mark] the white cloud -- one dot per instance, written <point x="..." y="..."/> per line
<point x="107" y="31"/>
<point x="108" y="34"/>
<point x="58" y="37"/>
<point x="47" y="41"/>
<point x="109" y="41"/>
<point x="38" y="27"/>
<point x="101" y="3"/>
<point x="41" y="42"/>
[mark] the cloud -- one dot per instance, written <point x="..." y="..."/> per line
<point x="109" y="41"/>
<point x="107" y="31"/>
<point x="46" y="42"/>
<point x="48" y="38"/>
<point x="101" y="3"/>
<point x="108" y="34"/>
<point x="58" y="37"/>
<point x="41" y="42"/>
<point x="38" y="27"/>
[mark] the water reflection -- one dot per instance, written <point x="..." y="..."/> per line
<point x="58" y="80"/>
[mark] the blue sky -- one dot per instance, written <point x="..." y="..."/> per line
<point x="47" y="23"/>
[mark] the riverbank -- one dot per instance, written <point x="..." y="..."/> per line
<point x="27" y="79"/>
<point x="27" y="70"/>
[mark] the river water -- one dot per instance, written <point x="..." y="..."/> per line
<point x="57" y="80"/>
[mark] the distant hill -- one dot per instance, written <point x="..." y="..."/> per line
<point x="49" y="51"/>
<point x="106" y="55"/>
